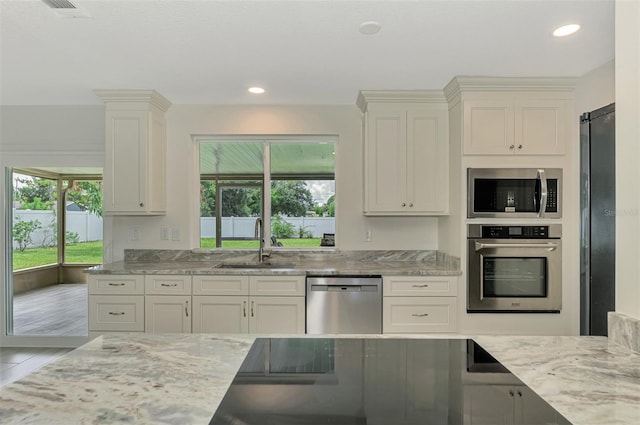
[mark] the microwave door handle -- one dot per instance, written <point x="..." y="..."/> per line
<point x="549" y="246"/>
<point x="543" y="195"/>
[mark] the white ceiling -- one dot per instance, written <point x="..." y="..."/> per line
<point x="301" y="52"/>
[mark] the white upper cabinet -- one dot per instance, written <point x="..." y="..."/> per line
<point x="135" y="152"/>
<point x="513" y="116"/>
<point x="406" y="151"/>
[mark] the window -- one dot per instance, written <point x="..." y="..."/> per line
<point x="289" y="183"/>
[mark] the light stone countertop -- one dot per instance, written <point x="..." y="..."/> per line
<point x="207" y="262"/>
<point x="181" y="378"/>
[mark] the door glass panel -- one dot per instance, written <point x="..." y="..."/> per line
<point x="83" y="222"/>
<point x="514" y="277"/>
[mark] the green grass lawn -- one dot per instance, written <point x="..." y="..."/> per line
<point x="84" y="252"/>
<point x="91" y="252"/>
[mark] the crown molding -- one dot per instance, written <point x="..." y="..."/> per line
<point x="398" y="96"/>
<point x="151" y="97"/>
<point x="508" y="84"/>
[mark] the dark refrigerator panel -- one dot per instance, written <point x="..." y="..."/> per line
<point x="598" y="203"/>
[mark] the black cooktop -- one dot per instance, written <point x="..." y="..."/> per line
<point x="305" y="381"/>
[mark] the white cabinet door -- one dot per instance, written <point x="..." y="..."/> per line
<point x="488" y="405"/>
<point x="427" y="160"/>
<point x="541" y="127"/>
<point x="488" y="127"/>
<point x="220" y="314"/>
<point x="277" y="315"/>
<point x="135" y="152"/>
<point x="386" y="156"/>
<point x="167" y="313"/>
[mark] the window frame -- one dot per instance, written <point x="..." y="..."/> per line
<point x="266" y="177"/>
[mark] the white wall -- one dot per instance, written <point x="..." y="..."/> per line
<point x="184" y="121"/>
<point x="628" y="157"/>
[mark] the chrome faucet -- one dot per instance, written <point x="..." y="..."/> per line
<point x="259" y="234"/>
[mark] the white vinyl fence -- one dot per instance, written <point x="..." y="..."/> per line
<point x="244" y="227"/>
<point x="88" y="226"/>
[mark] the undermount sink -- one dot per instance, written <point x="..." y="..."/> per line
<point x="254" y="266"/>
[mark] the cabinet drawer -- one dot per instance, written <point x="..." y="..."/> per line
<point x="167" y="285"/>
<point x="114" y="284"/>
<point x="419" y="314"/>
<point x="116" y="313"/>
<point x="277" y="285"/>
<point x="221" y="285"/>
<point x="432" y="286"/>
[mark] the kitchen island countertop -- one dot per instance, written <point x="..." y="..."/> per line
<point x="181" y="378"/>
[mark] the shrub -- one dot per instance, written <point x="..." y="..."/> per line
<point x="281" y="228"/>
<point x="22" y="231"/>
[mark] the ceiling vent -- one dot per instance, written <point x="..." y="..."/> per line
<point x="59" y="4"/>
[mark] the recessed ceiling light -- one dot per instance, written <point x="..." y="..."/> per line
<point x="566" y="30"/>
<point x="256" y="90"/>
<point x="370" y="27"/>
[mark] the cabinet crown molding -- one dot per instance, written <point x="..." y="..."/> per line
<point x="508" y="84"/>
<point x="132" y="96"/>
<point x="398" y="96"/>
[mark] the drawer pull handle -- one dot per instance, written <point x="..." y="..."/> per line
<point x="117" y="313"/>
<point x="170" y="285"/>
<point x="421" y="286"/>
<point x="116" y="284"/>
<point x="420" y="315"/>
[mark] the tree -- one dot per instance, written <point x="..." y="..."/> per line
<point x="291" y="198"/>
<point x="236" y="201"/>
<point x="88" y="195"/>
<point x="35" y="193"/>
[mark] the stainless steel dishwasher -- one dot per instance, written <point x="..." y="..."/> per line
<point x="344" y="304"/>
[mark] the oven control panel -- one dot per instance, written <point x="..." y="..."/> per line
<point x="515" y="232"/>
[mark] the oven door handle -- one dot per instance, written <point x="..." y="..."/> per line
<point x="543" y="193"/>
<point x="548" y="246"/>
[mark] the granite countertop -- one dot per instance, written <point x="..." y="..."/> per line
<point x="181" y="378"/>
<point x="207" y="262"/>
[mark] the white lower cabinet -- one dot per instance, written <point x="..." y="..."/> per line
<point x="419" y="304"/>
<point x="110" y="313"/>
<point x="266" y="304"/>
<point x="167" y="313"/>
<point x="507" y="405"/>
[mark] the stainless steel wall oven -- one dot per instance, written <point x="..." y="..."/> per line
<point x="514" y="192"/>
<point x="514" y="268"/>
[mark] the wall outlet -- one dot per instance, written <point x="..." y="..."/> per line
<point x="175" y="234"/>
<point x="367" y="235"/>
<point x="135" y="234"/>
<point x="164" y="233"/>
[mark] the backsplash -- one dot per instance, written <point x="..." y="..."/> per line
<point x="624" y="330"/>
<point x="374" y="256"/>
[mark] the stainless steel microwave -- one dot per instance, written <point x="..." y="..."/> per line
<point x="514" y="192"/>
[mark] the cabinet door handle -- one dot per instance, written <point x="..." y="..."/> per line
<point x="510" y="393"/>
<point x="141" y="204"/>
<point x="519" y="393"/>
<point x="116" y="284"/>
<point x="186" y="309"/>
<point x="420" y="286"/>
<point x="511" y="147"/>
<point x="244" y="309"/>
<point x="420" y="315"/>
<point x="252" y="309"/>
<point x="519" y="147"/>
<point x="170" y="285"/>
<point x="411" y="204"/>
<point x="116" y="313"/>
<point x="404" y="204"/>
